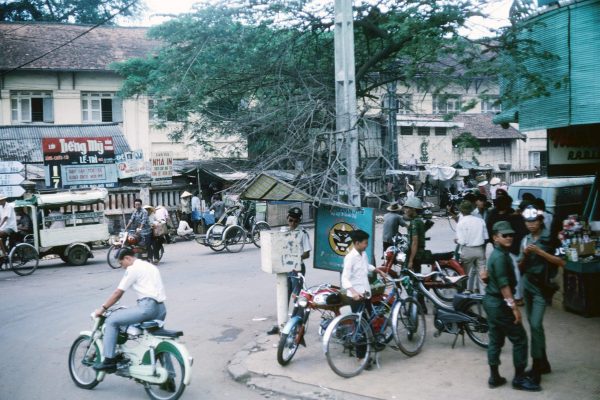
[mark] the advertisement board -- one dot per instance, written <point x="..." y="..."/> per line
<point x="574" y="150"/>
<point x="332" y="234"/>
<point x="161" y="164"/>
<point x="79" y="162"/>
<point x="131" y="164"/>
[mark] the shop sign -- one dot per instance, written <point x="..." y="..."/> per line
<point x="332" y="235"/>
<point x="131" y="164"/>
<point x="573" y="150"/>
<point x="12" y="191"/>
<point x="94" y="158"/>
<point x="161" y="164"/>
<point x="11" y="167"/>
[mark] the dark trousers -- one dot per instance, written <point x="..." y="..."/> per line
<point x="157" y="243"/>
<point x="361" y="337"/>
<point x="294" y="282"/>
<point x="535" y="306"/>
<point x="501" y="322"/>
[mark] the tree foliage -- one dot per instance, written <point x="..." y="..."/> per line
<point x="66" y="11"/>
<point x="266" y="72"/>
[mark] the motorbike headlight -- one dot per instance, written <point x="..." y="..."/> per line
<point x="302" y="301"/>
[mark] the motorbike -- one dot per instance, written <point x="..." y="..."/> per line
<point x="466" y="314"/>
<point x="451" y="279"/>
<point x="325" y="298"/>
<point x="146" y="353"/>
<point x="128" y="239"/>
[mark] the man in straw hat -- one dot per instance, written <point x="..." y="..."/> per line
<point x="8" y="222"/>
<point x="185" y="207"/>
<point x="392" y="220"/>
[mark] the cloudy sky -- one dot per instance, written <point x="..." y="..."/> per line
<point x="156" y="9"/>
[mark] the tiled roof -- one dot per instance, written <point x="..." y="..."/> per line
<point x="96" y="50"/>
<point x="24" y="142"/>
<point x="482" y="127"/>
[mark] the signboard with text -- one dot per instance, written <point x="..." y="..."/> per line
<point x="333" y="228"/>
<point x="574" y="150"/>
<point x="131" y="164"/>
<point x="79" y="162"/>
<point x="161" y="164"/>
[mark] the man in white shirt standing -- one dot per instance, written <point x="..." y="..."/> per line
<point x="8" y="222"/>
<point x="145" y="280"/>
<point x="355" y="275"/>
<point x="471" y="236"/>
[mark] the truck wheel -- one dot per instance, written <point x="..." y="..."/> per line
<point x="78" y="255"/>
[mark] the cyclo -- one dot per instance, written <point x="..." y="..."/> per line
<point x="69" y="234"/>
<point x="236" y="227"/>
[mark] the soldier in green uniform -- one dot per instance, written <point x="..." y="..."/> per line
<point x="537" y="262"/>
<point x="504" y="317"/>
<point x="416" y="239"/>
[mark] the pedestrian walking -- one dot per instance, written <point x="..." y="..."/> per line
<point x="471" y="236"/>
<point x="538" y="264"/>
<point x="504" y="316"/>
<point x="294" y="219"/>
<point x="392" y="220"/>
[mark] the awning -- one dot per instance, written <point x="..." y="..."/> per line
<point x="507" y="117"/>
<point x="266" y="187"/>
<point x="72" y="198"/>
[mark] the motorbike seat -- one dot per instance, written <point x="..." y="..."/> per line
<point x="166" y="333"/>
<point x="152" y="324"/>
<point x="442" y="256"/>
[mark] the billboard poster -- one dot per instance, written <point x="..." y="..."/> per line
<point x="131" y="164"/>
<point x="161" y="164"/>
<point x="332" y="234"/>
<point x="79" y="162"/>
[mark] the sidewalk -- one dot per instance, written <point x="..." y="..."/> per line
<point x="437" y="372"/>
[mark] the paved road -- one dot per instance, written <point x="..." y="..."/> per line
<point x="220" y="301"/>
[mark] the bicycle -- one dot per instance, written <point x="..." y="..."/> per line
<point x="22" y="258"/>
<point x="378" y="320"/>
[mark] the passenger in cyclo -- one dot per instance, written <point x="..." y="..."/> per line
<point x="8" y="222"/>
<point x="24" y="224"/>
<point x="145" y="280"/>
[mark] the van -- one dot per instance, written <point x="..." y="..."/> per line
<point x="563" y="196"/>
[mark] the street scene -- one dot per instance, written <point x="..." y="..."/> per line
<point x="299" y="199"/>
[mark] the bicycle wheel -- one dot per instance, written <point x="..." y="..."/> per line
<point x="256" y="230"/>
<point x="289" y="343"/>
<point x="447" y="294"/>
<point x="408" y="322"/>
<point x="346" y="338"/>
<point x="81" y="364"/>
<point x="173" y="388"/>
<point x="234" y="238"/>
<point x="214" y="237"/>
<point x="23" y="259"/>
<point x="112" y="257"/>
<point x="477" y="331"/>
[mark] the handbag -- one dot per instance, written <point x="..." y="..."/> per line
<point x="159" y="229"/>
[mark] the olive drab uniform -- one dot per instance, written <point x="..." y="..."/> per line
<point x="417" y="228"/>
<point x="501" y="319"/>
<point x="536" y="271"/>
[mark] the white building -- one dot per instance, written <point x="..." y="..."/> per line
<point x="42" y="83"/>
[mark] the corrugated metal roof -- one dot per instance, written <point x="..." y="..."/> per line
<point x="24" y="142"/>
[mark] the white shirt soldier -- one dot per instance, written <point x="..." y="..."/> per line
<point x="294" y="218"/>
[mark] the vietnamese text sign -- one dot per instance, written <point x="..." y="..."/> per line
<point x="162" y="168"/>
<point x="573" y="150"/>
<point x="11" y="179"/>
<point x="12" y="191"/>
<point x="93" y="155"/>
<point x="131" y="164"/>
<point x="10" y="167"/>
<point x="332" y="234"/>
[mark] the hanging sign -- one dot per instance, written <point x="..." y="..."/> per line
<point x="574" y="150"/>
<point x="12" y="191"/>
<point x="162" y="168"/>
<point x="332" y="234"/>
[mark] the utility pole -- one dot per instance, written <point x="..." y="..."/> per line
<point x="345" y="104"/>
<point x="392" y="112"/>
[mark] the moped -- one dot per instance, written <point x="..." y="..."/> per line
<point x="146" y="353"/>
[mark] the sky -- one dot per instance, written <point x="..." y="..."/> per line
<point x="477" y="27"/>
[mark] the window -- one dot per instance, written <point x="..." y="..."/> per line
<point x="491" y="105"/>
<point x="157" y="112"/>
<point x="101" y="107"/>
<point x="31" y="107"/>
<point x="404" y="104"/>
<point x="440" y="131"/>
<point x="537" y="159"/>
<point x="406" y="130"/>
<point x="444" y="104"/>
<point x="423" y="131"/>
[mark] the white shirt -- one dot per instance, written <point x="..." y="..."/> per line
<point x="162" y="214"/>
<point x="196" y="203"/>
<point x="305" y="239"/>
<point x="471" y="231"/>
<point x="493" y="189"/>
<point x="355" y="272"/>
<point x="8" y="211"/>
<point x="144" y="279"/>
<point x="184" y="228"/>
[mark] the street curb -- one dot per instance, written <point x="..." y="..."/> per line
<point x="278" y="384"/>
